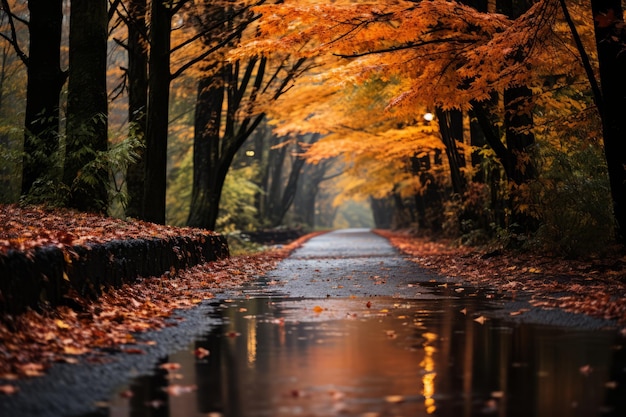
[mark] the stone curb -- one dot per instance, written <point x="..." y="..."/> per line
<point x="47" y="275"/>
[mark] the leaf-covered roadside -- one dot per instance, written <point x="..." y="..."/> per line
<point x="89" y="330"/>
<point x="25" y="228"/>
<point x="596" y="286"/>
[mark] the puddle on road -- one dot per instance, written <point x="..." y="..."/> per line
<point x="379" y="357"/>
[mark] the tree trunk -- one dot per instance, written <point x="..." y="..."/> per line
<point x="87" y="106"/>
<point x="224" y="142"/>
<point x="382" y="210"/>
<point x="155" y="155"/>
<point x="261" y="151"/>
<point x="206" y="152"/>
<point x="611" y="42"/>
<point x="45" y="80"/>
<point x="137" y="100"/>
<point x="451" y="129"/>
<point x="519" y="138"/>
<point x="291" y="187"/>
<point x="304" y="204"/>
<point x="276" y="167"/>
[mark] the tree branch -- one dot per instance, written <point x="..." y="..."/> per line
<point x="595" y="88"/>
<point x="13" y="39"/>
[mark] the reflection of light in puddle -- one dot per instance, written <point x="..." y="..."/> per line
<point x="428" y="379"/>
<point x="380" y="357"/>
<point x="252" y="341"/>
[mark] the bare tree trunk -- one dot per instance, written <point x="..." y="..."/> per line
<point x="451" y="129"/>
<point x="206" y="151"/>
<point x="137" y="100"/>
<point x="87" y="106"/>
<point x="611" y="44"/>
<point x="45" y="80"/>
<point x="155" y="155"/>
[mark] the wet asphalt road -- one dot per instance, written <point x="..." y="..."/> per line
<point x="345" y="263"/>
<point x="350" y="262"/>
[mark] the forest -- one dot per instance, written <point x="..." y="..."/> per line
<point x="481" y="120"/>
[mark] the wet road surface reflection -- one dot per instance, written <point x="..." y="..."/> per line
<point x="378" y="357"/>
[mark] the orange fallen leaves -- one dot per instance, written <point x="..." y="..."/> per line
<point x="8" y="389"/>
<point x="170" y="366"/>
<point x="201" y="353"/>
<point x="594" y="286"/>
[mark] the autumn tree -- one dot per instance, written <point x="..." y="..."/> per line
<point x="439" y="55"/>
<point x="219" y="132"/>
<point x="226" y="115"/>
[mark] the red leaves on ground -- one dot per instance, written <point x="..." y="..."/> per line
<point x="25" y="228"/>
<point x="596" y="287"/>
<point x="31" y="342"/>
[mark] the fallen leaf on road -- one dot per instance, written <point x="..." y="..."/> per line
<point x="201" y="353"/>
<point x="394" y="399"/>
<point x="8" y="389"/>
<point x="176" y="390"/>
<point x="480" y="319"/>
<point x="61" y="324"/>
<point x="71" y="350"/>
<point x="586" y="370"/>
<point x="32" y="369"/>
<point x="170" y="366"/>
<point x="518" y="312"/>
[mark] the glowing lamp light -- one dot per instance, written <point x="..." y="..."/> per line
<point x="250" y="153"/>
<point x="429" y="117"/>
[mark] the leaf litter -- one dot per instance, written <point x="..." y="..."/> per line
<point x="30" y="343"/>
<point x="594" y="286"/>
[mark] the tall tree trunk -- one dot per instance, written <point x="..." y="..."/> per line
<point x="304" y="204"/>
<point x="206" y="151"/>
<point x="45" y="80"/>
<point x="261" y="151"/>
<point x="518" y="124"/>
<point x="518" y="119"/>
<point x="519" y="138"/>
<point x="291" y="187"/>
<point x="451" y="129"/>
<point x="276" y="167"/>
<point x="611" y="43"/>
<point x="155" y="155"/>
<point x="87" y="106"/>
<point x="137" y="100"/>
<point x="382" y="210"/>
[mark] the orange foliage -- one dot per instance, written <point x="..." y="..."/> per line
<point x="379" y="67"/>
